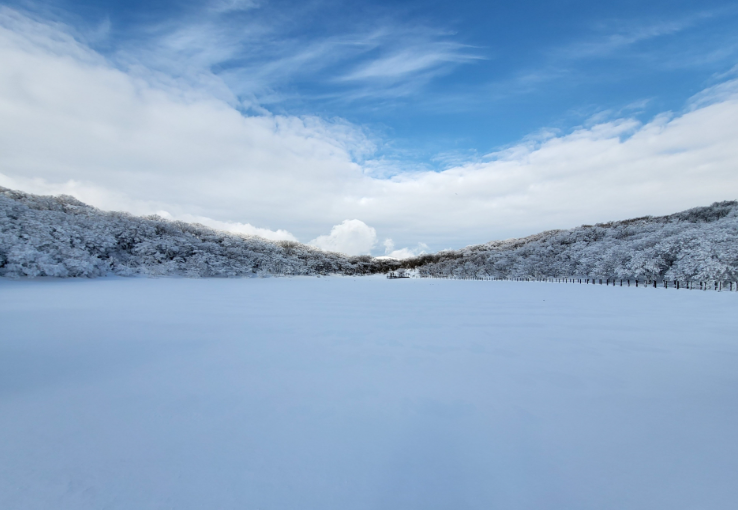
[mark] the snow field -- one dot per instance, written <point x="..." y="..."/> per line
<point x="365" y="393"/>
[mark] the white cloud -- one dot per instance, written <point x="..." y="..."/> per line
<point x="240" y="228"/>
<point x="94" y="195"/>
<point x="389" y="246"/>
<point x="68" y="117"/>
<point x="719" y="93"/>
<point x="252" y="60"/>
<point x="231" y="226"/>
<point x="352" y="237"/>
<point x="70" y="122"/>
<point x="412" y="60"/>
<point x="403" y="253"/>
<point x="625" y="36"/>
<point x="228" y="6"/>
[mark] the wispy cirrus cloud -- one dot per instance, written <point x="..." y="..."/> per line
<point x="411" y="59"/>
<point x="656" y="44"/>
<point x="246" y="51"/>
<point x="229" y="6"/>
<point x="609" y="40"/>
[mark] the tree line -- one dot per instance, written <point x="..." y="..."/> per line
<point x="699" y="244"/>
<point x="61" y="236"/>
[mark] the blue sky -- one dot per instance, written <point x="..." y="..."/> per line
<point x="411" y="86"/>
<point x="435" y="81"/>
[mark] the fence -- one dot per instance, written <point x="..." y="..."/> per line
<point x="716" y="285"/>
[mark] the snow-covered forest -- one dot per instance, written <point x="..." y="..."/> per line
<point x="697" y="244"/>
<point x="61" y="236"/>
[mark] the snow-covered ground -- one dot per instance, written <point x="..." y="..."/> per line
<point x="365" y="393"/>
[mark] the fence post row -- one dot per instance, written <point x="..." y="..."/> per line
<point x="717" y="285"/>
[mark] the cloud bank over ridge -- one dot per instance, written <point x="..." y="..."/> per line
<point x="73" y="122"/>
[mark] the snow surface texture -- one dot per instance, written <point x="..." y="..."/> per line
<point x="60" y="236"/>
<point x="700" y="244"/>
<point x="365" y="393"/>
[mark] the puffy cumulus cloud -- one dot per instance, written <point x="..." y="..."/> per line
<point x="71" y="121"/>
<point x="352" y="237"/>
<point x="389" y="245"/>
<point x="403" y="253"/>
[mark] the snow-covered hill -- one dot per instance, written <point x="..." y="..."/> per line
<point x="61" y="236"/>
<point x="697" y="244"/>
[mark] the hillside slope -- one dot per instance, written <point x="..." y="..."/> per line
<point x="61" y="236"/>
<point x="697" y="244"/>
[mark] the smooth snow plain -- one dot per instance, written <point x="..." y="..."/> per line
<point x="365" y="393"/>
